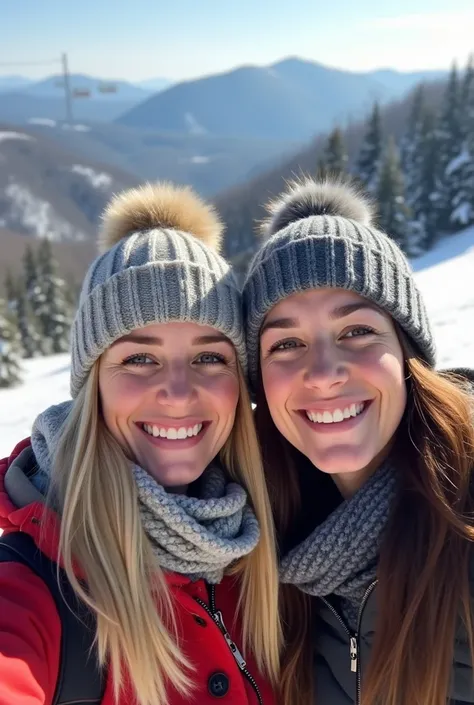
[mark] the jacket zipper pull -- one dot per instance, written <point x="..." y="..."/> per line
<point x="232" y="646"/>
<point x="353" y="653"/>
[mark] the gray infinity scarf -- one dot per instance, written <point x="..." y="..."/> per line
<point x="340" y="556"/>
<point x="196" y="537"/>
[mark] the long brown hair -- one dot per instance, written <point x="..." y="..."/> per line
<point x="423" y="569"/>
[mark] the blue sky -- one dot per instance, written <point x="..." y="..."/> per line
<point x="179" y="39"/>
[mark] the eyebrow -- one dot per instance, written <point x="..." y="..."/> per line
<point x="209" y="339"/>
<point x="279" y="323"/>
<point x="347" y="309"/>
<point x="153" y="340"/>
<point x="336" y="314"/>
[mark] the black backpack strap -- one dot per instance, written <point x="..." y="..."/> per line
<point x="80" y="681"/>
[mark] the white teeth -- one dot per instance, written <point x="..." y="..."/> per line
<point x="337" y="415"/>
<point x="173" y="434"/>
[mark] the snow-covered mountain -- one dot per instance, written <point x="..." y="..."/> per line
<point x="48" y="192"/>
<point x="444" y="275"/>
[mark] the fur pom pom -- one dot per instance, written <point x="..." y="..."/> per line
<point x="308" y="197"/>
<point x="160" y="205"/>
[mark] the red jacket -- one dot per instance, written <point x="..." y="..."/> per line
<point x="30" y="629"/>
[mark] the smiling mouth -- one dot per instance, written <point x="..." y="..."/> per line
<point x="336" y="415"/>
<point x="174" y="433"/>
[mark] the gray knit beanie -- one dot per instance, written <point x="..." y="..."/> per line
<point x="321" y="235"/>
<point x="159" y="263"/>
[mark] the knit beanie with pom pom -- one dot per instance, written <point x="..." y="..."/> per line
<point x="320" y="235"/>
<point x="159" y="264"/>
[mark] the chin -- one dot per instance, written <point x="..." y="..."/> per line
<point x="340" y="460"/>
<point x="175" y="476"/>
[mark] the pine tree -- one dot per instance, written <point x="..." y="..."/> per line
<point x="30" y="269"/>
<point x="411" y="148"/>
<point x="427" y="205"/>
<point x="334" y="160"/>
<point x="12" y="289"/>
<point x="31" y="341"/>
<point x="370" y="156"/>
<point x="394" y="214"/>
<point x="450" y="145"/>
<point x="461" y="169"/>
<point x="54" y="314"/>
<point x="11" y="292"/>
<point x="10" y="349"/>
<point x="30" y="318"/>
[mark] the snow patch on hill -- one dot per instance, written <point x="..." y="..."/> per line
<point x="95" y="178"/>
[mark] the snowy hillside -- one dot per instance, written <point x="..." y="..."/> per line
<point x="46" y="191"/>
<point x="445" y="276"/>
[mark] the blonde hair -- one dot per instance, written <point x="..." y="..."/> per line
<point x="126" y="589"/>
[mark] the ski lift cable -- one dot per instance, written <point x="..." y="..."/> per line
<point x="30" y="63"/>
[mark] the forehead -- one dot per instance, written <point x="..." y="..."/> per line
<point x="173" y="328"/>
<point x="316" y="301"/>
<point x="174" y="334"/>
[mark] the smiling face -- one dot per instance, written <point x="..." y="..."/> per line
<point x="169" y="394"/>
<point x="333" y="375"/>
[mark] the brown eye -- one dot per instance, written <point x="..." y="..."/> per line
<point x="282" y="345"/>
<point x="359" y="332"/>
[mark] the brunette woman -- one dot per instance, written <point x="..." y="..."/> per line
<point x="369" y="454"/>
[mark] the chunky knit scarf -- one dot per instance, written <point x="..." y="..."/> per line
<point x="196" y="537"/>
<point x="340" y="556"/>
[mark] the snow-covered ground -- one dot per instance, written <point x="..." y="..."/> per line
<point x="45" y="382"/>
<point x="446" y="279"/>
<point x="445" y="276"/>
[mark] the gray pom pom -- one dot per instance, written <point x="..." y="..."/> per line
<point x="308" y="198"/>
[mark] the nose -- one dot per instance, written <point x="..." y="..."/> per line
<point x="176" y="388"/>
<point x="326" y="369"/>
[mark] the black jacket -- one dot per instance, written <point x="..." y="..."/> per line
<point x="341" y="656"/>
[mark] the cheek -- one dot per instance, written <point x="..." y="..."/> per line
<point x="120" y="395"/>
<point x="278" y="383"/>
<point x="386" y="373"/>
<point x="222" y="393"/>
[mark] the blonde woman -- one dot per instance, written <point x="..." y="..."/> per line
<point x="146" y="489"/>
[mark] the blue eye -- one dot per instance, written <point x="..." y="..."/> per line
<point x="359" y="332"/>
<point x="283" y="345"/>
<point x="210" y="359"/>
<point x="138" y="360"/>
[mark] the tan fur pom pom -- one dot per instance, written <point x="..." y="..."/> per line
<point x="160" y="205"/>
<point x="306" y="198"/>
